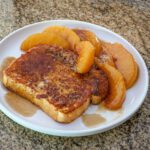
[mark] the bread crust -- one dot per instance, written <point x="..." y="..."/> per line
<point x="48" y="108"/>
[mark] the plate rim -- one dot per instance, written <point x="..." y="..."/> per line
<point x="89" y="131"/>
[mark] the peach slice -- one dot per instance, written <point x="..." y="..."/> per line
<point x="124" y="62"/>
<point x="117" y="87"/>
<point x="86" y="35"/>
<point x="65" y="33"/>
<point x="43" y="38"/>
<point x="86" y="53"/>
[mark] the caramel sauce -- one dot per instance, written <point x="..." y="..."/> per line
<point x="20" y="104"/>
<point x="5" y="64"/>
<point x="91" y="120"/>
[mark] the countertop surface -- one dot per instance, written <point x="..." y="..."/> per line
<point x="130" y="19"/>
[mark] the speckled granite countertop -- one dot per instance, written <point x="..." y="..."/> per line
<point x="131" y="19"/>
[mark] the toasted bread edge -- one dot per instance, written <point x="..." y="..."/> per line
<point x="48" y="108"/>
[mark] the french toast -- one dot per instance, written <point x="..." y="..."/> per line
<point x="96" y="78"/>
<point x="98" y="81"/>
<point x="46" y="76"/>
<point x="43" y="79"/>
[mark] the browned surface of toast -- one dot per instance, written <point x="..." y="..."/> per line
<point x="96" y="78"/>
<point x="50" y="79"/>
<point x="46" y="76"/>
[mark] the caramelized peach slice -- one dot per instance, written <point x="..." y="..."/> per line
<point x="43" y="38"/>
<point x="86" y="53"/>
<point x="65" y="33"/>
<point x="86" y="35"/>
<point x="124" y="62"/>
<point x="117" y="92"/>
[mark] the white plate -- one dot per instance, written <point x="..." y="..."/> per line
<point x="10" y="46"/>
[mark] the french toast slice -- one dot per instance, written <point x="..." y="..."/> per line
<point x="47" y="80"/>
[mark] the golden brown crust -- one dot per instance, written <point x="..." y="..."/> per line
<point x="96" y="78"/>
<point x="47" y="107"/>
<point x="98" y="81"/>
<point x="33" y="71"/>
<point x="49" y="79"/>
<point x="45" y="75"/>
